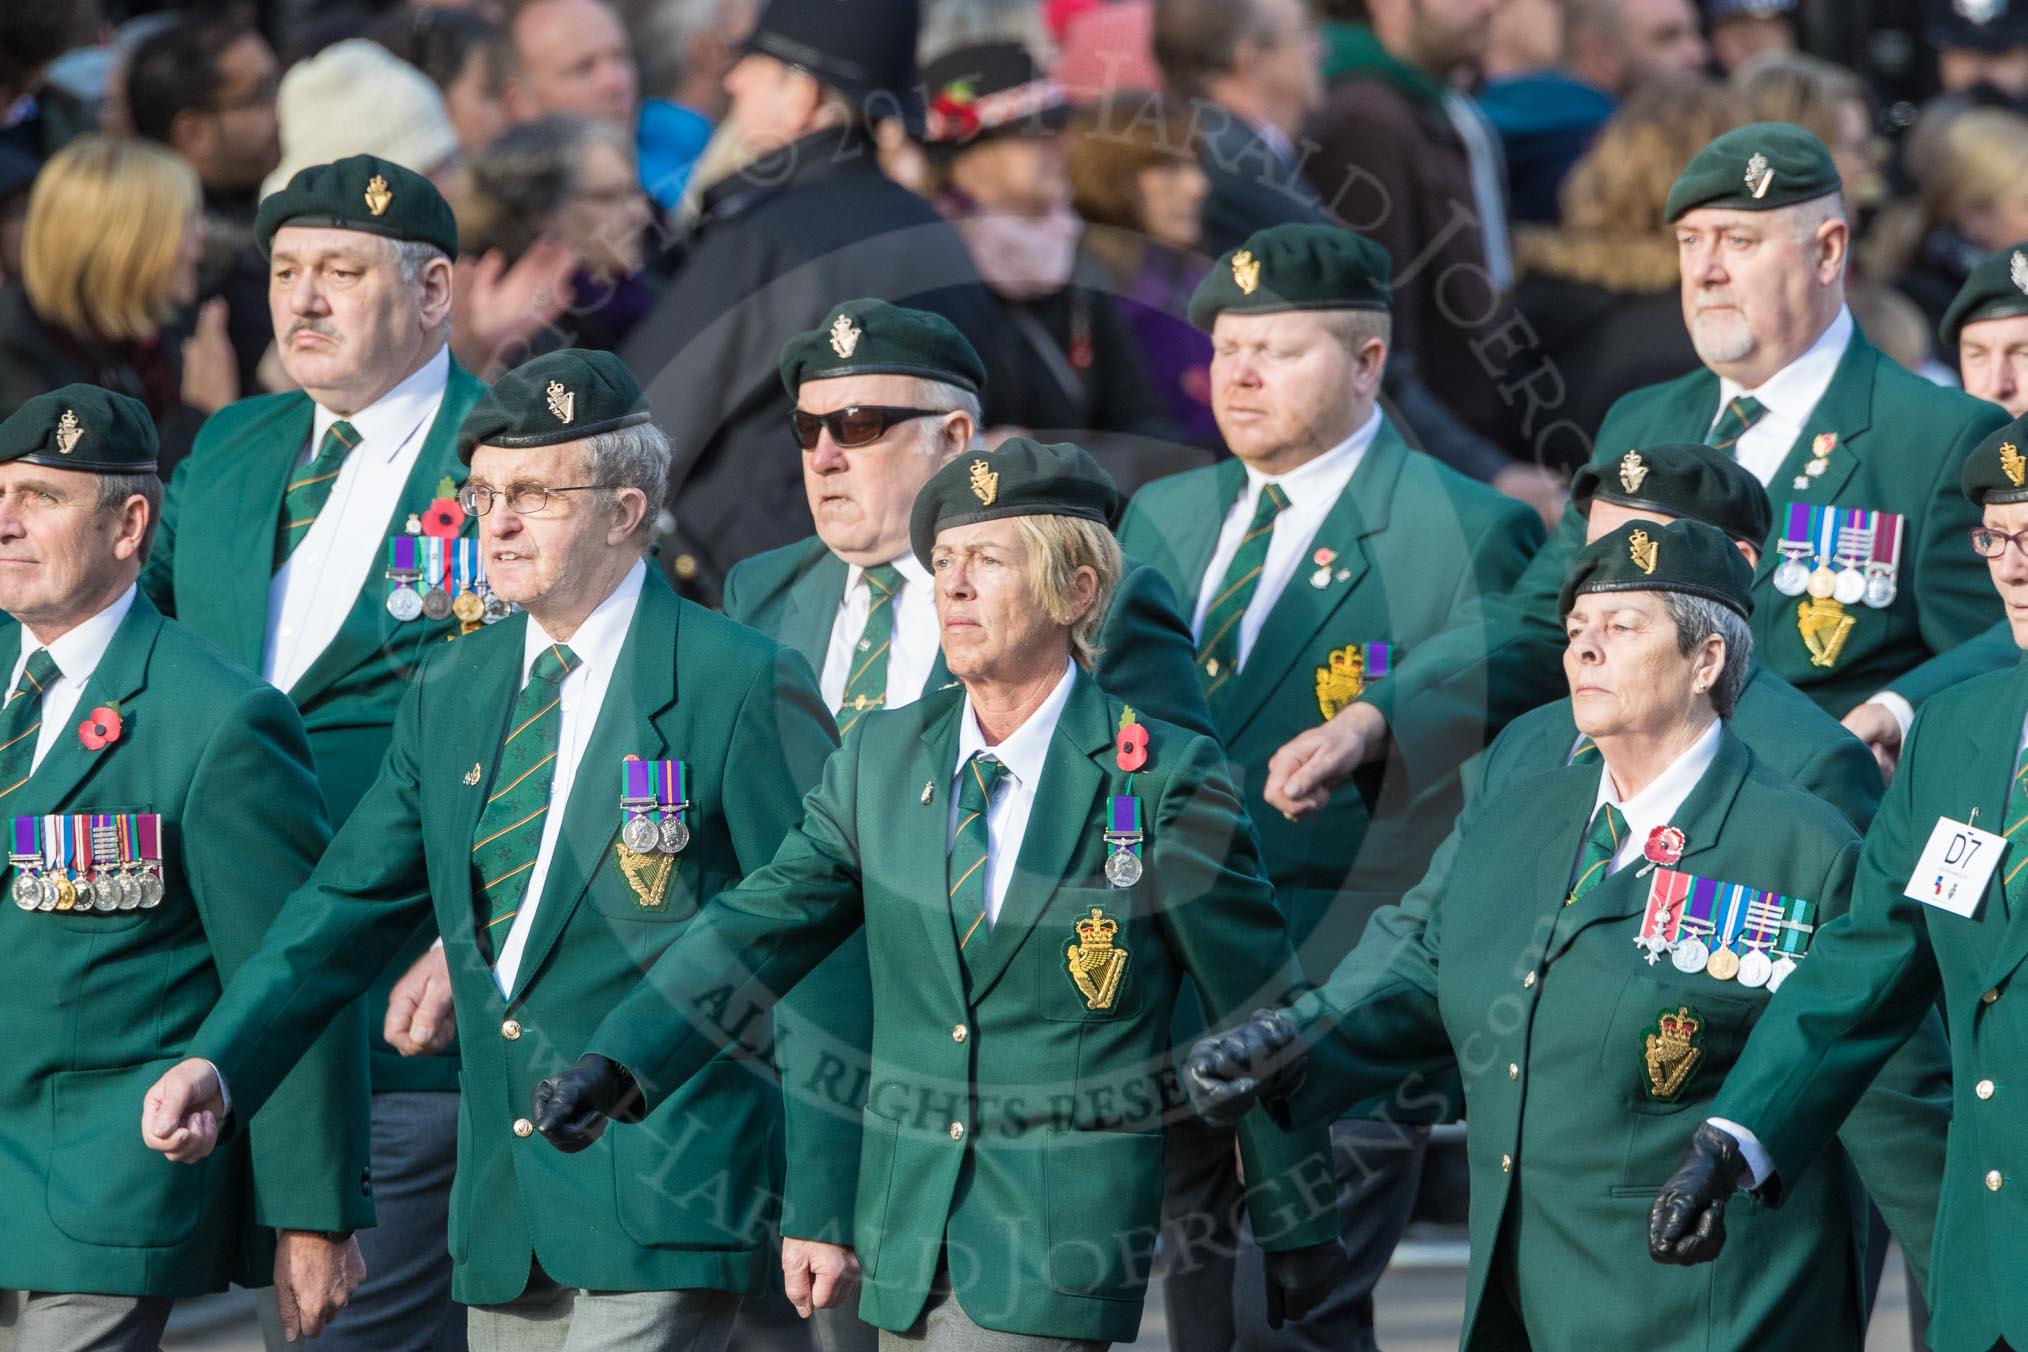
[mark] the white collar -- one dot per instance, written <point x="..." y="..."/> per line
<point x="1654" y="805"/>
<point x="912" y="572"/>
<point x="1794" y="390"/>
<point x="598" y="640"/>
<point x="1327" y="475"/>
<point x="388" y="422"/>
<point x="78" y="653"/>
<point x="1024" y="751"/>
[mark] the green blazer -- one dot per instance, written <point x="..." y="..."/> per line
<point x="1415" y="544"/>
<point x="1993" y="650"/>
<point x="1872" y="977"/>
<point x="106" y="1002"/>
<point x="822" y="1027"/>
<point x="211" y="566"/>
<point x="1013" y="1122"/>
<point x="1901" y="444"/>
<point x="685" y="1200"/>
<point x="1544" y="1009"/>
<point x="1787" y="732"/>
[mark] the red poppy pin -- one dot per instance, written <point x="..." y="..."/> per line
<point x="1664" y="846"/>
<point x="443" y="519"/>
<point x="100" y="730"/>
<point x="1131" y="747"/>
<point x="954" y="113"/>
<point x="1324" y="557"/>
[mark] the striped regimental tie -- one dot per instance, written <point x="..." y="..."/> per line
<point x="965" y="869"/>
<point x="1735" y="420"/>
<point x="1601" y="843"/>
<point x="510" y="828"/>
<point x="311" y="488"/>
<point x="21" y="719"/>
<point x="1218" y="652"/>
<point x="866" y="685"/>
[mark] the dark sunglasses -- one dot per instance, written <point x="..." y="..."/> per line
<point x="859" y="425"/>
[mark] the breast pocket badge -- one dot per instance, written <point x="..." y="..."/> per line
<point x="1096" y="964"/>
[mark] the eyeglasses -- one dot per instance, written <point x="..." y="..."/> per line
<point x="1988" y="543"/>
<point x="521" y="499"/>
<point x="859" y="425"/>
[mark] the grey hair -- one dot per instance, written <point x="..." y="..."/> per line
<point x="115" y="489"/>
<point x="1806" y="217"/>
<point x="1354" y="328"/>
<point x="945" y="398"/>
<point x="412" y="258"/>
<point x="631" y="457"/>
<point x="1698" y="618"/>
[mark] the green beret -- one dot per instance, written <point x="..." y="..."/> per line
<point x="1683" y="556"/>
<point x="566" y="395"/>
<point x="871" y="337"/>
<point x="1758" y="167"/>
<point x="1692" y="482"/>
<point x="82" y="427"/>
<point x="1996" y="471"/>
<point x="360" y="192"/>
<point x="1295" y="267"/>
<point x="1022" y="478"/>
<point x="1997" y="288"/>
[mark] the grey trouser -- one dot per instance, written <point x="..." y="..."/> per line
<point x="551" y="1318"/>
<point x="944" y="1327"/>
<point x="62" y="1321"/>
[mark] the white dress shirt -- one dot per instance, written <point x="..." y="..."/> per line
<point x="77" y="655"/>
<point x="1023" y="753"/>
<point x="317" y="585"/>
<point x="1313" y="489"/>
<point x="912" y="651"/>
<point x="1658" y="803"/>
<point x="1791" y="395"/>
<point x="596" y="644"/>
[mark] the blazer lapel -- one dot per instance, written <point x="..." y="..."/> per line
<point x="1303" y="609"/>
<point x="1194" y="539"/>
<point x="1066" y="814"/>
<point x="368" y="628"/>
<point x="121" y="674"/>
<point x="1702" y="821"/>
<point x="1989" y="784"/>
<point x="1844" y="414"/>
<point x="468" y="749"/>
<point x="642" y="689"/>
<point x="812" y="608"/>
<point x="257" y="481"/>
<point x="936" y="761"/>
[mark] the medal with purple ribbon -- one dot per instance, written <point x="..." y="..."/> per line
<point x="1124" y="835"/>
<point x="404" y="569"/>
<point x="652" y="806"/>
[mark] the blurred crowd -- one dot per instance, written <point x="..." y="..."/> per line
<point x="1074" y="166"/>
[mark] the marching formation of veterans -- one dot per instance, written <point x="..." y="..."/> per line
<point x="1022" y="893"/>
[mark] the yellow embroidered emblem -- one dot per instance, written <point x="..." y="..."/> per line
<point x="562" y="402"/>
<point x="2011" y="463"/>
<point x="648" y="875"/>
<point x="472" y="775"/>
<point x="1824" y="626"/>
<point x="1246" y="271"/>
<point x="1095" y="964"/>
<point x="844" y="337"/>
<point x="1341" y="680"/>
<point x="1645" y="553"/>
<point x="1759" y="176"/>
<point x="1671" y="1051"/>
<point x="1633" y="471"/>
<point x="68" y="432"/>
<point x="378" y="197"/>
<point x="985" y="483"/>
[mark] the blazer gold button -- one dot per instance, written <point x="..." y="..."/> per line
<point x="1984" y="1089"/>
<point x="523" y="1127"/>
<point x="510" y="1030"/>
<point x="1528" y="982"/>
<point x="1993" y="1181"/>
<point x="1513" y="1070"/>
<point x="1990" y="996"/>
<point x="960" y="1033"/>
<point x="957" y="1131"/>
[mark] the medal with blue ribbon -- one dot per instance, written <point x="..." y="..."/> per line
<point x="436" y="597"/>
<point x="87" y="861"/>
<point x="468" y="605"/>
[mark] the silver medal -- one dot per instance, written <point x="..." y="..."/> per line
<point x="45" y="894"/>
<point x="1790" y="577"/>
<point x="1755" y="968"/>
<point x="1690" y="955"/>
<point x="496" y="610"/>
<point x="151" y="890"/>
<point x="675" y="835"/>
<point x="436" y="604"/>
<point x="26" y="891"/>
<point x="130" y="892"/>
<point x="1780" y="972"/>
<point x="106" y="892"/>
<point x="1123" y="868"/>
<point x="641" y="834"/>
<point x="85" y="894"/>
<point x="1850" y="588"/>
<point x="1880" y="590"/>
<point x="404" y="604"/>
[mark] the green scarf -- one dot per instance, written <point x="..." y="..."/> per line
<point x="1352" y="51"/>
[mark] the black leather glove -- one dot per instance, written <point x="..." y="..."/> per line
<point x="1259" y="1061"/>
<point x="571" y="1109"/>
<point x="1299" y="1279"/>
<point x="1686" y="1225"/>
